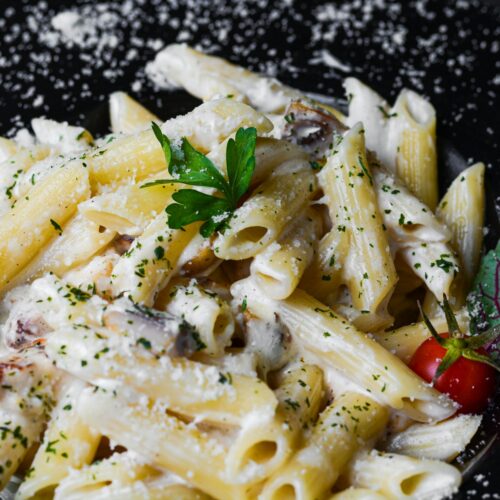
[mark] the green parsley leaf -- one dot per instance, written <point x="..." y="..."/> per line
<point x="189" y="166"/>
<point x="195" y="206"/>
<point x="164" y="142"/>
<point x="240" y="160"/>
<point x="198" y="170"/>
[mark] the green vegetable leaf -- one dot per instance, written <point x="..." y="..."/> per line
<point x="193" y="206"/>
<point x="198" y="170"/>
<point x="483" y="303"/>
<point x="240" y="161"/>
<point x="164" y="142"/>
<point x="189" y="166"/>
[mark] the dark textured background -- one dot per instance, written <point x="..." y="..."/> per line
<point x="449" y="51"/>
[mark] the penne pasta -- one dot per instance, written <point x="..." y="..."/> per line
<point x="416" y="157"/>
<point x="147" y="266"/>
<point x="38" y="218"/>
<point x="367" y="269"/>
<point x="207" y="77"/>
<point x="342" y="427"/>
<point x="462" y="210"/>
<point x="263" y="445"/>
<point x="165" y="441"/>
<point x="441" y="441"/>
<point x="403" y="137"/>
<point x="191" y="388"/>
<point x="127" y="116"/>
<point x="12" y="170"/>
<point x="416" y="234"/>
<point x="405" y="340"/>
<point x="398" y="477"/>
<point x="129" y="209"/>
<point x="263" y="217"/>
<point x="28" y="387"/>
<point x="80" y="240"/>
<point x="278" y="269"/>
<point x="67" y="444"/>
<point x="357" y="494"/>
<point x="105" y="478"/>
<point x="210" y="316"/>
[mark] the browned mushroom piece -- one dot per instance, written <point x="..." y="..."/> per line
<point x="312" y="128"/>
<point x="203" y="261"/>
<point x="122" y="243"/>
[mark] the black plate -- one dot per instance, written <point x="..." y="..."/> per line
<point x="449" y="51"/>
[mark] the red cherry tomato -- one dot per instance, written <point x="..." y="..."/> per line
<point x="469" y="383"/>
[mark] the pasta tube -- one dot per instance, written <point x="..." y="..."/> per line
<point x="165" y="441"/>
<point x="357" y="494"/>
<point x="403" y="137"/>
<point x="12" y="171"/>
<point x="405" y="340"/>
<point x="191" y="388"/>
<point x="441" y="441"/>
<point x="416" y="157"/>
<point x="129" y="209"/>
<point x="38" y="218"/>
<point x="68" y="443"/>
<point x="416" y="234"/>
<point x="342" y="427"/>
<point x="80" y="240"/>
<point x="211" y="316"/>
<point x="462" y="210"/>
<point x="398" y="477"/>
<point x="136" y="157"/>
<point x="127" y="116"/>
<point x="28" y="387"/>
<point x="207" y="77"/>
<point x="146" y="268"/>
<point x="103" y="479"/>
<point x="278" y="269"/>
<point x="367" y="269"/>
<point x="264" y="444"/>
<point x="262" y="218"/>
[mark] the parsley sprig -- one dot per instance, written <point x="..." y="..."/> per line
<point x="189" y="166"/>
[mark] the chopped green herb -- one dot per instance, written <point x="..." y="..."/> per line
<point x="386" y="114"/>
<point x="225" y="378"/>
<point x="56" y="226"/>
<point x="144" y="342"/>
<point x="292" y="404"/>
<point x="159" y="253"/>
